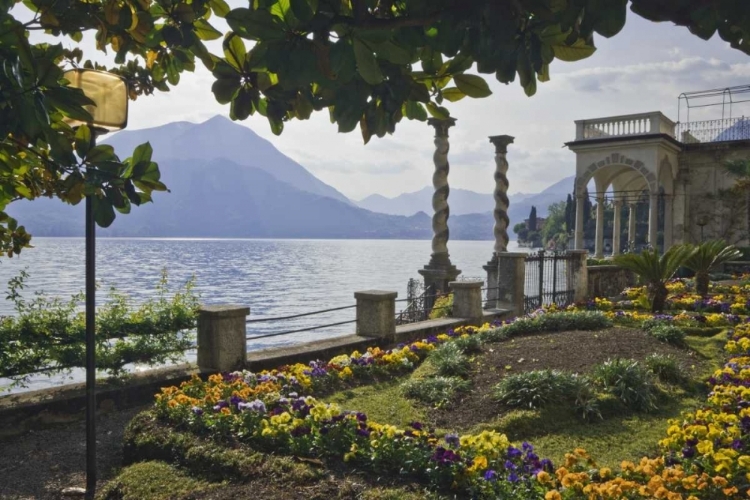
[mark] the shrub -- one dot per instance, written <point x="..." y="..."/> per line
<point x="665" y="367"/>
<point x="469" y="345"/>
<point x="435" y="390"/>
<point x="669" y="334"/>
<point x="629" y="381"/>
<point x="539" y="388"/>
<point x="443" y="307"/>
<point x="449" y="360"/>
<point x="558" y="322"/>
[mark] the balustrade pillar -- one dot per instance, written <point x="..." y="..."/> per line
<point x="440" y="271"/>
<point x="580" y="203"/>
<point x="501" y="214"/>
<point x="599" y="245"/>
<point x="617" y="228"/>
<point x="653" y="212"/>
<point x="631" y="227"/>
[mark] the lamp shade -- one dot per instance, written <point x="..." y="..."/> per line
<point x="110" y="94"/>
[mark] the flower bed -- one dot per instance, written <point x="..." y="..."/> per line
<point x="705" y="455"/>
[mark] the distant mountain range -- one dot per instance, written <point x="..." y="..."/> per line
<point x="462" y="201"/>
<point x="226" y="181"/>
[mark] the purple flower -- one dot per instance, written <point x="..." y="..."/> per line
<point x="452" y="440"/>
<point x="220" y="405"/>
<point x="257" y="406"/>
<point x="416" y="425"/>
<point x="688" y="452"/>
<point x="513" y="477"/>
<point x="490" y="475"/>
<point x="514" y="452"/>
<point x="197" y="411"/>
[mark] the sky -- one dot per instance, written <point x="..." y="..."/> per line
<point x="644" y="68"/>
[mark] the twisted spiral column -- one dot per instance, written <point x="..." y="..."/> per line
<point x="441" y="210"/>
<point x="501" y="192"/>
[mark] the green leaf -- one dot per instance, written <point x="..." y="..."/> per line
<point x="102" y="152"/>
<point x="453" y="94"/>
<point x="393" y="53"/>
<point x="220" y="7"/>
<point x="104" y="213"/>
<point x="304" y="10"/>
<point x="142" y="153"/>
<point x="367" y="65"/>
<point x="225" y="89"/>
<point x="570" y="53"/>
<point x="205" y="31"/>
<point x="255" y="24"/>
<point x="234" y="51"/>
<point x="242" y="105"/>
<point x="415" y="111"/>
<point x="83" y="141"/>
<point x="438" y="112"/>
<point x="472" y="85"/>
<point x="611" y="18"/>
<point x="343" y="62"/>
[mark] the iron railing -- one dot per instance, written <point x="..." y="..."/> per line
<point x="419" y="302"/>
<point x="707" y="131"/>
<point x="548" y="280"/>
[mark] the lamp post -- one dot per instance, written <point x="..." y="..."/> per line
<point x="702" y="221"/>
<point x="109" y="113"/>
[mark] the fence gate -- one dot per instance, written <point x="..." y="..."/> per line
<point x="548" y="280"/>
<point x="419" y="301"/>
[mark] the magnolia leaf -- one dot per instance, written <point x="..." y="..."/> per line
<point x="83" y="141"/>
<point x="570" y="53"/>
<point x="438" y="112"/>
<point x="225" y="89"/>
<point x="453" y="94"/>
<point x="234" y="51"/>
<point x="255" y="24"/>
<point x="220" y="7"/>
<point x="367" y="65"/>
<point x="143" y="153"/>
<point x="102" y="152"/>
<point x="205" y="31"/>
<point x="472" y="85"/>
<point x="104" y="213"/>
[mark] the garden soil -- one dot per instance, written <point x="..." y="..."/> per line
<point x="572" y="351"/>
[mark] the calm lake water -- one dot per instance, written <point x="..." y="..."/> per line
<point x="272" y="277"/>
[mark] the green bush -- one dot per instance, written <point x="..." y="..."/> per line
<point x="538" y="388"/>
<point x="449" y="360"/>
<point x="469" y="345"/>
<point x="665" y="367"/>
<point x="443" y="307"/>
<point x="435" y="390"/>
<point x="669" y="334"/>
<point x="629" y="381"/>
<point x="48" y="334"/>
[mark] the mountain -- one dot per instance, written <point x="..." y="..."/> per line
<point x="221" y="199"/>
<point x="220" y="137"/>
<point x="461" y="201"/>
<point x="464" y="202"/>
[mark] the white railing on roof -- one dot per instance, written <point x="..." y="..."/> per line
<point x="726" y="129"/>
<point x="625" y="125"/>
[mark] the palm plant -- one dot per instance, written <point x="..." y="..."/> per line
<point x="706" y="257"/>
<point x="655" y="270"/>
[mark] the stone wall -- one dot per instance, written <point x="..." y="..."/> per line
<point x="724" y="215"/>
<point x="608" y="281"/>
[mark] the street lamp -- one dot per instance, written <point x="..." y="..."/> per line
<point x="109" y="113"/>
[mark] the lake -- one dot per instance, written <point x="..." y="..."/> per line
<point x="272" y="277"/>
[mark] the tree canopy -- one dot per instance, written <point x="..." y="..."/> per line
<point x="370" y="63"/>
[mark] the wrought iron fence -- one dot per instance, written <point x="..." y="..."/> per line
<point x="419" y="302"/>
<point x="548" y="280"/>
<point x="727" y="129"/>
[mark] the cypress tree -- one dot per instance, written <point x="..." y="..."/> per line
<point x="532" y="219"/>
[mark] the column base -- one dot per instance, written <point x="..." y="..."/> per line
<point x="492" y="282"/>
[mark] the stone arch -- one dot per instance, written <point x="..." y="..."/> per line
<point x="615" y="160"/>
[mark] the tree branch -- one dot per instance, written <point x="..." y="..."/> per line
<point x="384" y="24"/>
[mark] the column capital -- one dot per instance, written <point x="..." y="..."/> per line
<point x="441" y="125"/>
<point x="501" y="142"/>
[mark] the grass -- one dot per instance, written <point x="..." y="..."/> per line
<point x="710" y="348"/>
<point x="153" y="480"/>
<point x="620" y="436"/>
<point x="383" y="402"/>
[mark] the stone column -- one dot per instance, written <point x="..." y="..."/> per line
<point x="668" y="222"/>
<point x="580" y="201"/>
<point x="631" y="226"/>
<point x="511" y="281"/>
<point x="501" y="214"/>
<point x="439" y="272"/>
<point x="579" y="275"/>
<point x="376" y="313"/>
<point x="653" y="221"/>
<point x="222" y="343"/>
<point x="467" y="299"/>
<point x="617" y="228"/>
<point x="599" y="245"/>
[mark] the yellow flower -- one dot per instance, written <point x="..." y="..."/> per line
<point x="553" y="495"/>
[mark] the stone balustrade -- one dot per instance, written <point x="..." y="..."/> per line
<point x="624" y="125"/>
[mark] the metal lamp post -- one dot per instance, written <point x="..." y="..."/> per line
<point x="702" y="221"/>
<point x="110" y="112"/>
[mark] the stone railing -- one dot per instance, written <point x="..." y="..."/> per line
<point x="624" y="125"/>
<point x="727" y="129"/>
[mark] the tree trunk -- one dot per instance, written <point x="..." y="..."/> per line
<point x="701" y="283"/>
<point x="659" y="297"/>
